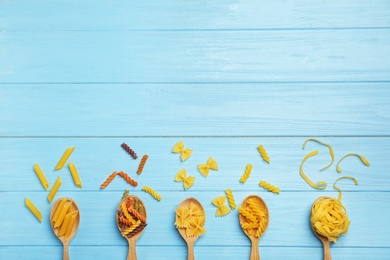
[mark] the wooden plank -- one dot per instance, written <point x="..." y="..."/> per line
<point x="174" y="14"/>
<point x="301" y="109"/>
<point x="96" y="158"/>
<point x="179" y="252"/>
<point x="368" y="213"/>
<point x="195" y="56"/>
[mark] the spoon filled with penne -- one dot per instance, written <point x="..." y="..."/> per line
<point x="65" y="220"/>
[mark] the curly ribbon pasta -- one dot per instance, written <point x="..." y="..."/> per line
<point x="263" y="153"/>
<point x="129" y="150"/>
<point x="247" y="172"/>
<point x="128" y="179"/>
<point x="185" y="153"/>
<point x="108" y="180"/>
<point x="321" y="184"/>
<point x="187" y="181"/>
<point x="210" y="165"/>
<point x="152" y="192"/>
<point x="269" y="187"/>
<point x="230" y="197"/>
<point x="327" y="145"/>
<point x="142" y="164"/>
<point x="361" y="157"/>
<point x="222" y="209"/>
<point x="337" y="188"/>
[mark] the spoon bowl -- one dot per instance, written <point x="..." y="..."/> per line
<point x="255" y="255"/>
<point x="65" y="240"/>
<point x="132" y="254"/>
<point x="190" y="240"/>
<point x="325" y="241"/>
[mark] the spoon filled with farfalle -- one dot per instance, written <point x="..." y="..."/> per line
<point x="190" y="220"/>
<point x="131" y="221"/>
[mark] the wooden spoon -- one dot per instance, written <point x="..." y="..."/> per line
<point x="325" y="241"/>
<point x="132" y="254"/>
<point x="255" y="240"/>
<point x="65" y="240"/>
<point x="190" y="240"/>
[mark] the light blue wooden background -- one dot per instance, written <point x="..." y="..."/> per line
<point x="223" y="76"/>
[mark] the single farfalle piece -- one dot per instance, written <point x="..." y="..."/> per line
<point x="263" y="153"/>
<point x="188" y="181"/>
<point x="196" y="227"/>
<point x="182" y="218"/>
<point x="185" y="153"/>
<point x="195" y="211"/>
<point x="222" y="210"/>
<point x="211" y="164"/>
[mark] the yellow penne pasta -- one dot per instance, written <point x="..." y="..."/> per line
<point x="69" y="229"/>
<point x="58" y="211"/>
<point x="65" y="209"/>
<point x="64" y="158"/>
<point x="54" y="190"/>
<point x="64" y="225"/>
<point x="75" y="175"/>
<point x="33" y="209"/>
<point x="41" y="176"/>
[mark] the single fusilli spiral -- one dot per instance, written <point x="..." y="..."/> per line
<point x="129" y="150"/>
<point x="137" y="215"/>
<point x="125" y="221"/>
<point x="131" y="229"/>
<point x="137" y="230"/>
<point x="129" y="203"/>
<point x="269" y="187"/>
<point x="142" y="164"/>
<point x="128" y="179"/>
<point x="230" y="197"/>
<point x="263" y="153"/>
<point x="247" y="173"/>
<point x="108" y="180"/>
<point x="152" y="192"/>
<point x="125" y="193"/>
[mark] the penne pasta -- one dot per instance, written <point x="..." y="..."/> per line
<point x="41" y="176"/>
<point x="64" y="225"/>
<point x="64" y="158"/>
<point x="75" y="175"/>
<point x="72" y="219"/>
<point x="34" y="210"/>
<point x="58" y="211"/>
<point x="54" y="190"/>
<point x="64" y="210"/>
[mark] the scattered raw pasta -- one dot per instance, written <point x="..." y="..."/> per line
<point x="210" y="165"/>
<point x="330" y="150"/>
<point x="187" y="181"/>
<point x="75" y="175"/>
<point x="185" y="153"/>
<point x="34" y="210"/>
<point x="64" y="158"/>
<point x="247" y="172"/>
<point x="41" y="176"/>
<point x="142" y="164"/>
<point x="321" y="184"/>
<point x="54" y="190"/>
<point x="152" y="192"/>
<point x="222" y="209"/>
<point x="129" y="150"/>
<point x="230" y="197"/>
<point x="263" y="153"/>
<point x="269" y="187"/>
<point x="361" y="157"/>
<point x="128" y="179"/>
<point x="337" y="188"/>
<point x="108" y="180"/>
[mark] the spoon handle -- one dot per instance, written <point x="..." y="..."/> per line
<point x="191" y="255"/>
<point x="66" y="252"/>
<point x="327" y="255"/>
<point x="255" y="250"/>
<point x="132" y="254"/>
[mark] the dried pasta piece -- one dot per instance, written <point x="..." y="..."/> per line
<point x="152" y="192"/>
<point x="194" y="210"/>
<point x="210" y="165"/>
<point x="255" y="216"/>
<point x="187" y="181"/>
<point x="329" y="218"/>
<point x="131" y="228"/>
<point x="196" y="227"/>
<point x="58" y="211"/>
<point x="126" y="213"/>
<point x="142" y="164"/>
<point x="64" y="158"/>
<point x="41" y="176"/>
<point x="230" y="197"/>
<point x="185" y="153"/>
<point x="247" y="172"/>
<point x="75" y="175"/>
<point x="125" y="193"/>
<point x="64" y="225"/>
<point x="72" y="220"/>
<point x="182" y="217"/>
<point x="129" y="202"/>
<point x="125" y="221"/>
<point x="128" y="179"/>
<point x="137" y="215"/>
<point x="222" y="209"/>
<point x="63" y="211"/>
<point x="247" y="214"/>
<point x="54" y="190"/>
<point x="34" y="210"/>
<point x="137" y="230"/>
<point x="321" y="184"/>
<point x="263" y="153"/>
<point x="337" y="188"/>
<point x="269" y="187"/>
<point x="361" y="157"/>
<point x="191" y="218"/>
<point x="108" y="180"/>
<point x="331" y="152"/>
<point x="129" y="150"/>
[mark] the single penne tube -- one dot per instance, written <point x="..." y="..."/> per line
<point x="75" y="175"/>
<point x="58" y="211"/>
<point x="54" y="190"/>
<point x="64" y="158"/>
<point x="41" y="176"/>
<point x="64" y="225"/>
<point x="34" y="210"/>
<point x="65" y="209"/>
<point x="69" y="229"/>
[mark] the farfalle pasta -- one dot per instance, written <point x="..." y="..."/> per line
<point x="185" y="153"/>
<point x="191" y="218"/>
<point x="222" y="209"/>
<point x="211" y="164"/>
<point x="188" y="181"/>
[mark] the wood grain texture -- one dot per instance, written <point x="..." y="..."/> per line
<point x="274" y="109"/>
<point x="195" y="56"/>
<point x="194" y="14"/>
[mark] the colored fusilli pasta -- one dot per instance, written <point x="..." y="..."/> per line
<point x="142" y="164"/>
<point x="128" y="179"/>
<point x="108" y="180"/>
<point x="129" y="150"/>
